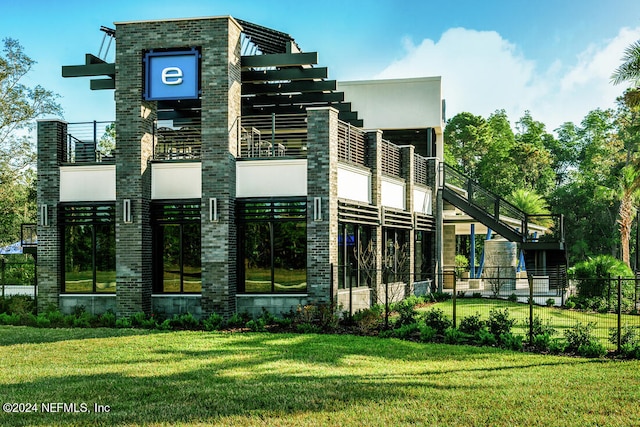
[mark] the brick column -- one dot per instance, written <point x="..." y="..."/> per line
<point x="220" y="112"/>
<point x="374" y="160"/>
<point x="408" y="173"/>
<point x="134" y="148"/>
<point x="322" y="182"/>
<point x="51" y="139"/>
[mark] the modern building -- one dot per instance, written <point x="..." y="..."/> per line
<point x="238" y="178"/>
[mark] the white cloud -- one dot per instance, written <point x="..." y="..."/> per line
<point x="482" y="72"/>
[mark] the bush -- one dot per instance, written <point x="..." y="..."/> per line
<point x="213" y="322"/>
<point x="541" y="329"/>
<point x="436" y="319"/>
<point x="427" y="333"/>
<point x="257" y="325"/>
<point x="484" y="337"/>
<point x="369" y="319"/>
<point x="455" y="336"/>
<point x="513" y="297"/>
<point x="471" y="324"/>
<point x="569" y="303"/>
<point x="550" y="302"/>
<point x="580" y="335"/>
<point x="476" y="295"/>
<point x="511" y="341"/>
<point x="499" y="322"/>
<point x="406" y="310"/>
<point x="124" y="322"/>
<point x="108" y="319"/>
<point x="592" y="349"/>
<point x="42" y="321"/>
<point x="542" y="342"/>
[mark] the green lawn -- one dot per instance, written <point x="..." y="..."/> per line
<point x="203" y="378"/>
<point x="559" y="319"/>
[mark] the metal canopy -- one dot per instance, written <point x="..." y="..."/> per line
<point x="267" y="40"/>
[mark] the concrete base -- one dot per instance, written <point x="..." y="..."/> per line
<point x="278" y="305"/>
<point x="93" y="303"/>
<point x="360" y="299"/>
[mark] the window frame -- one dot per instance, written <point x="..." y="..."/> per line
<point x="169" y="213"/>
<point x="273" y="212"/>
<point x="91" y="215"/>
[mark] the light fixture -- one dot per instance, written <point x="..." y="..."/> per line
<point x="213" y="209"/>
<point x="44" y="215"/>
<point x="126" y="211"/>
<point x="317" y="209"/>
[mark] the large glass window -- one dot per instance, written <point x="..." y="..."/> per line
<point x="89" y="243"/>
<point x="396" y="255"/>
<point x="272" y="244"/>
<point x="177" y="249"/>
<point x="356" y="256"/>
<point x="423" y="255"/>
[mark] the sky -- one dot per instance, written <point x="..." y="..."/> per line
<point x="553" y="58"/>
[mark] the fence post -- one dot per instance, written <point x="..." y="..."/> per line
<point x="455" y="291"/>
<point x="530" y="280"/>
<point x="619" y="314"/>
<point x="4" y="263"/>
<point x="349" y="271"/>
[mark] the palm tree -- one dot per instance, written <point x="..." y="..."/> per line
<point x="531" y="203"/>
<point x="629" y="71"/>
<point x="629" y="190"/>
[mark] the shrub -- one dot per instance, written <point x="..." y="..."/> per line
<point x="236" y="321"/>
<point x="542" y="342"/>
<point x="550" y="302"/>
<point x="56" y="318"/>
<point x="541" y="329"/>
<point x="511" y="341"/>
<point x="20" y="305"/>
<point x="213" y="322"/>
<point x="592" y="349"/>
<point x="406" y="310"/>
<point x="427" y="333"/>
<point x="513" y="297"/>
<point x="569" y="303"/>
<point x="107" y="319"/>
<point x="499" y="322"/>
<point x="184" y="321"/>
<point x="123" y="322"/>
<point x="471" y="324"/>
<point x="406" y="331"/>
<point x="256" y="325"/>
<point x="308" y="328"/>
<point x="436" y="319"/>
<point x="579" y="335"/>
<point x="369" y="319"/>
<point x="484" y="337"/>
<point x="477" y="295"/>
<point x="9" y="319"/>
<point x="455" y="336"/>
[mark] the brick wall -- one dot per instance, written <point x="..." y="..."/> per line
<point x="322" y="181"/>
<point x="219" y="43"/>
<point x="51" y="136"/>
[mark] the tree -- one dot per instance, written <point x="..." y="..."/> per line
<point x="628" y="191"/>
<point x="20" y="105"/>
<point x="467" y="139"/>
<point x="629" y="71"/>
<point x="533" y="156"/>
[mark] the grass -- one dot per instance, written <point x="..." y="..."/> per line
<point x="557" y="318"/>
<point x="199" y="378"/>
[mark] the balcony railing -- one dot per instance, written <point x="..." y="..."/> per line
<point x="275" y="135"/>
<point x="351" y="144"/>
<point x="89" y="142"/>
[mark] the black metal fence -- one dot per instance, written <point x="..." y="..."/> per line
<point x="609" y="306"/>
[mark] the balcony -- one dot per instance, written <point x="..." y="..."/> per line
<point x="89" y="142"/>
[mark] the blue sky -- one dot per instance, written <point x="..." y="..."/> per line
<point x="553" y="58"/>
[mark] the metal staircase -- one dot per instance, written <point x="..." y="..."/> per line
<point x="541" y="237"/>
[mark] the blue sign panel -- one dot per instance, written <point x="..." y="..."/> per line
<point x="171" y="75"/>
